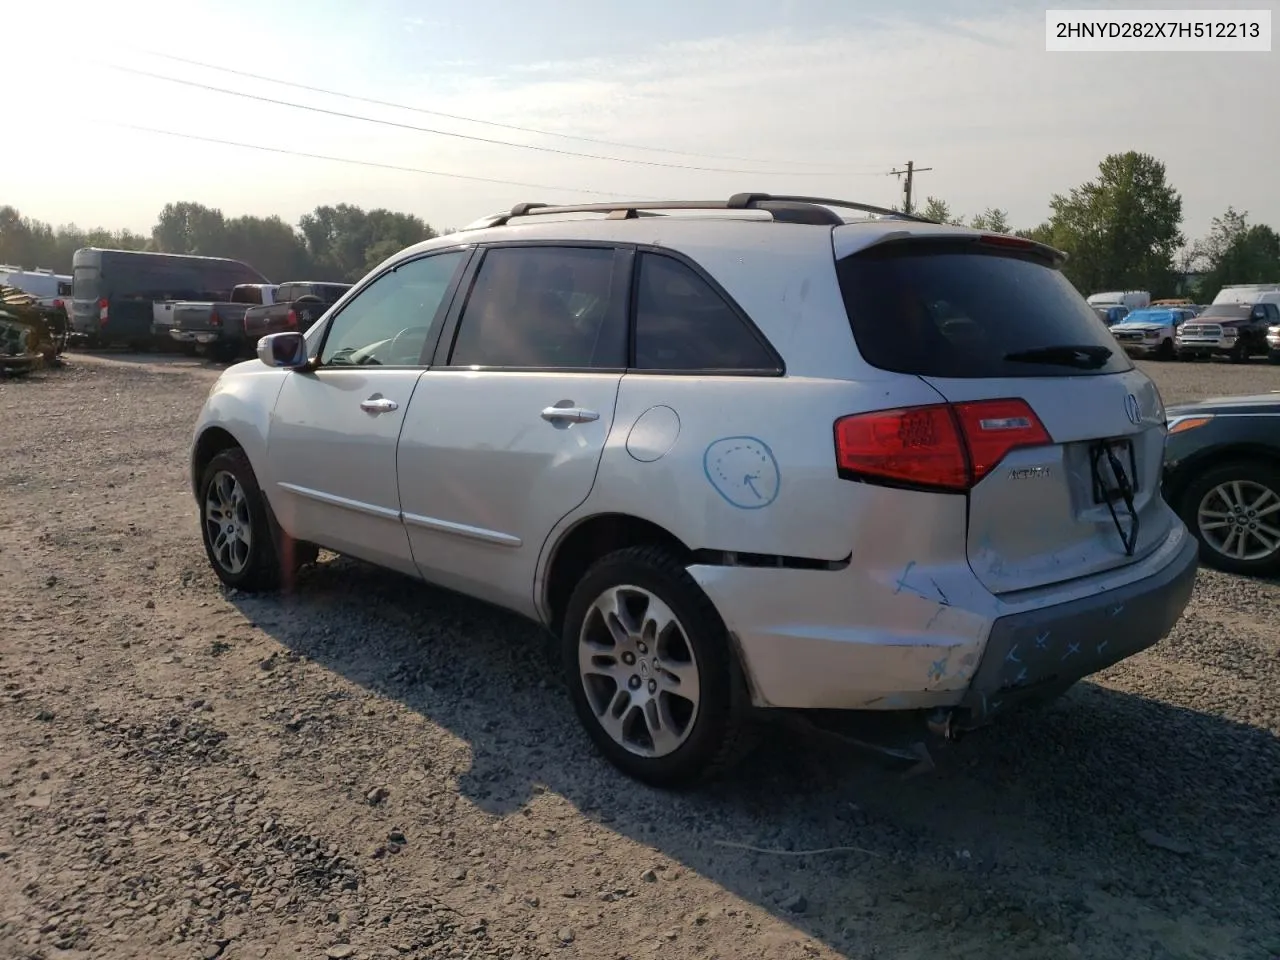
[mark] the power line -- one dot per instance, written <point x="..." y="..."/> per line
<point x="911" y="170"/>
<point x="488" y="123"/>
<point x="360" y="163"/>
<point x="446" y="133"/>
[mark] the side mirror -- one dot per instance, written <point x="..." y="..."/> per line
<point x="283" y="350"/>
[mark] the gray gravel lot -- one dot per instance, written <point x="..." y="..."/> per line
<point x="368" y="767"/>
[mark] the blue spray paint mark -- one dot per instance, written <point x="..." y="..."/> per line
<point x="1012" y="655"/>
<point x="1072" y="648"/>
<point x="938" y="669"/>
<point x="1115" y="611"/>
<point x="902" y="580"/>
<point x="1042" y="640"/>
<point x="743" y="471"/>
<point x="945" y="601"/>
<point x="1022" y="675"/>
<point x="1102" y="646"/>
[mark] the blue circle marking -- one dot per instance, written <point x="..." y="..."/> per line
<point x="744" y="471"/>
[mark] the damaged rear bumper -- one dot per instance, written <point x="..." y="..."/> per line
<point x="1040" y="653"/>
<point x="893" y="639"/>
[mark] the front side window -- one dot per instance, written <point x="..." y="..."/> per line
<point x="682" y="323"/>
<point x="542" y="307"/>
<point x="389" y="322"/>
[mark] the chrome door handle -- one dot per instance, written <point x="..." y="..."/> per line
<point x="378" y="405"/>
<point x="569" y="415"/>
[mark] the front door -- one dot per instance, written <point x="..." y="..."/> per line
<point x="333" y="432"/>
<point x="504" y="441"/>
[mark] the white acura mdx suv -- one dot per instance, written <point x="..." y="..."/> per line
<point x="733" y="454"/>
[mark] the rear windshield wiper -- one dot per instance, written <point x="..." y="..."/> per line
<point x="1086" y="357"/>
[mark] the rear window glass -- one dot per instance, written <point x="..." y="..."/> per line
<point x="949" y="309"/>
<point x="1226" y="311"/>
<point x="84" y="283"/>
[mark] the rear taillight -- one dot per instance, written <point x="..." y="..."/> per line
<point x="214" y="319"/>
<point x="291" y="318"/>
<point x="102" y="312"/>
<point x="948" y="446"/>
<point x="58" y="305"/>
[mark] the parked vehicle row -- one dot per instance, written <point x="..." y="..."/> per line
<point x="1238" y="325"/>
<point x="197" y="304"/>
<point x="607" y="424"/>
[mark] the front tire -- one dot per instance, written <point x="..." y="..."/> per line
<point x="651" y="672"/>
<point x="1234" y="512"/>
<point x="244" y="547"/>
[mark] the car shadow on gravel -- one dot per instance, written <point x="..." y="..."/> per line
<point x="1104" y="821"/>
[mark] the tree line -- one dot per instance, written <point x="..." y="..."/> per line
<point x="338" y="243"/>
<point x="1121" y="230"/>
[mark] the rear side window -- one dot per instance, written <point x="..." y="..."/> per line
<point x="329" y="292"/>
<point x="682" y="323"/>
<point x="252" y="295"/>
<point x="953" y="309"/>
<point x="543" y="307"/>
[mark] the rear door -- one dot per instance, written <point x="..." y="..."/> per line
<point x="986" y="319"/>
<point x="504" y="439"/>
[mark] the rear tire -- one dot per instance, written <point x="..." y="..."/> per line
<point x="1215" y="508"/>
<point x="1166" y="351"/>
<point x="651" y="672"/>
<point x="245" y="546"/>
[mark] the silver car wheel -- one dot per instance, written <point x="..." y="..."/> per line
<point x="639" y="671"/>
<point x="227" y="522"/>
<point x="1241" y="520"/>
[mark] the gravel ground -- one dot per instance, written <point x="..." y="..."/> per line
<point x="369" y="767"/>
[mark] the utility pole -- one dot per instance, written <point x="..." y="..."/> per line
<point x="910" y="172"/>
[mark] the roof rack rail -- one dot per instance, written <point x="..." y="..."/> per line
<point x="783" y="208"/>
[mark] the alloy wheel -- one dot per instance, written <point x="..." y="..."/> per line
<point x="639" y="671"/>
<point x="1241" y="519"/>
<point x="227" y="522"/>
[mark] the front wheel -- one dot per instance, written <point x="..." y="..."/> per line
<point x="244" y="548"/>
<point x="650" y="670"/>
<point x="1234" y="511"/>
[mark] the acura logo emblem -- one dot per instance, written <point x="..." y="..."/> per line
<point x="1132" y="410"/>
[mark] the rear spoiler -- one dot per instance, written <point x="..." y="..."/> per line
<point x="1051" y="256"/>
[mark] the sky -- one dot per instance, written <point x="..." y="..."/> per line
<point x="815" y="97"/>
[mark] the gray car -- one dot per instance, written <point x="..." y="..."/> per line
<point x="738" y="454"/>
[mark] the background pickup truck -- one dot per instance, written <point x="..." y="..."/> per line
<point x="217" y="327"/>
<point x="1235" y="330"/>
<point x="1150" y="332"/>
<point x="298" y="304"/>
